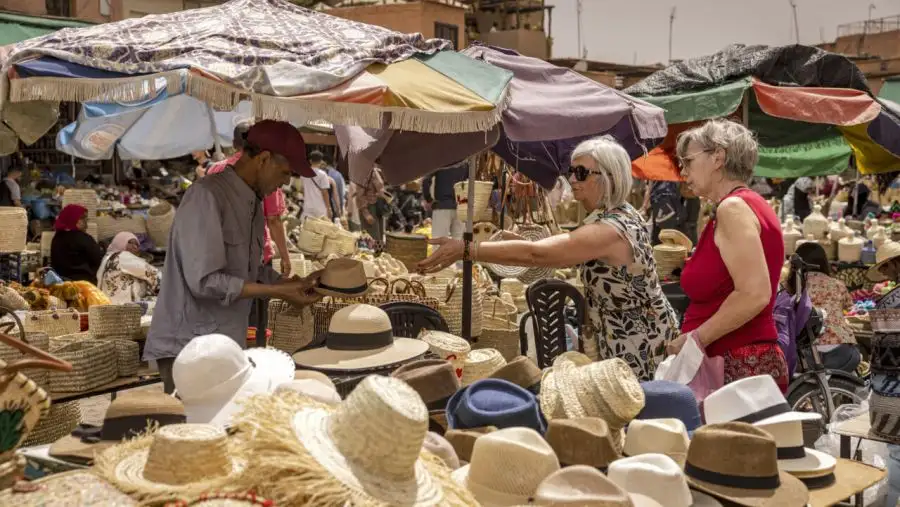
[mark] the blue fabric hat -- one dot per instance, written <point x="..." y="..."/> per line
<point x="494" y="402"/>
<point x="666" y="399"/>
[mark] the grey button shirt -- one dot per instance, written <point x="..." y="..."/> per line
<point x="215" y="245"/>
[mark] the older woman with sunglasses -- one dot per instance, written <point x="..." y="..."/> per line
<point x="732" y="277"/>
<point x="629" y="316"/>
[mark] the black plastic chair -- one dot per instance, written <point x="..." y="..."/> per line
<point x="409" y="319"/>
<point x="548" y="301"/>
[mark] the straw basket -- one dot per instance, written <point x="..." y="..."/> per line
<point x="292" y="328"/>
<point x="58" y="341"/>
<point x="128" y="359"/>
<point x="93" y="364"/>
<point x="503" y="336"/>
<point x="311" y="242"/>
<point x="534" y="232"/>
<point x="10" y="355"/>
<point x="115" y="321"/>
<point x="14" y="233"/>
<point x="46" y="243"/>
<point x="407" y="248"/>
<point x="482" y="198"/>
<point x="452" y="308"/>
<point x="92" y="230"/>
<point x="12" y="300"/>
<point x="108" y="226"/>
<point x="672" y="252"/>
<point x="159" y="222"/>
<point x="339" y="242"/>
<point x="54" y="323"/>
<point x="499" y="313"/>
<point x="60" y="421"/>
<point x="82" y="197"/>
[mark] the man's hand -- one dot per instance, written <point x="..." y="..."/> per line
<point x="285" y="267"/>
<point x="298" y="291"/>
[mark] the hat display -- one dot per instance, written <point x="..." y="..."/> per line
<point x="585" y="441"/>
<point x="463" y="441"/>
<point x="434" y="379"/>
<point x="79" y="487"/>
<point x="283" y="139"/>
<point x="212" y="374"/>
<point x="523" y="372"/>
<point x="507" y="467"/>
<point x="480" y="364"/>
<point x="664" y="399"/>
<point x="494" y="402"/>
<point x="175" y="461"/>
<point x="850" y="477"/>
<point x="360" y="337"/>
<point x="311" y="388"/>
<point x="583" y="486"/>
<point x="738" y="462"/>
<point x="755" y="400"/>
<point x="447" y="346"/>
<point x="440" y="447"/>
<point x="343" y="278"/>
<point x="657" y="436"/>
<point x="659" y="477"/>
<point x="314" y="375"/>
<point x="367" y="450"/>
<point x="128" y="415"/>
<point x="223" y="500"/>
<point x="814" y="468"/>
<point x="887" y="252"/>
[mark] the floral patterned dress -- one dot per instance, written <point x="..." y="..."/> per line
<point x="126" y="278"/>
<point x="629" y="314"/>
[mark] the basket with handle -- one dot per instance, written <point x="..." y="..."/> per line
<point x="451" y="309"/>
<point x="159" y="222"/>
<point x="53" y="322"/>
<point x="407" y="248"/>
<point x="93" y="364"/>
<point x="115" y="321"/>
<point x="534" y="232"/>
<point x="498" y="312"/>
<point x="84" y="197"/>
<point x="10" y="354"/>
<point x="60" y="421"/>
<point x="500" y="335"/>
<point x="14" y="233"/>
<point x="292" y="328"/>
<point x="480" y="204"/>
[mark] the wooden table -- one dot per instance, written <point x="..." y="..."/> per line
<point x="144" y="377"/>
<point x="858" y="427"/>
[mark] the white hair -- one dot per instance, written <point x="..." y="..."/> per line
<point x="613" y="165"/>
<point x="737" y="141"/>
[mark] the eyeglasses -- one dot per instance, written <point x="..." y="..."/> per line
<point x="581" y="172"/>
<point x="684" y="161"/>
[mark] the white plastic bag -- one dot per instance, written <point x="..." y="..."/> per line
<point x="683" y="366"/>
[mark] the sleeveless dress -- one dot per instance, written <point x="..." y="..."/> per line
<point x="629" y="316"/>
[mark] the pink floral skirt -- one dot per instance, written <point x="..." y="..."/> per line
<point x="757" y="359"/>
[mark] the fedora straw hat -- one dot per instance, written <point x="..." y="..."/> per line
<point x="480" y="364"/>
<point x="463" y="441"/>
<point x="360" y="337"/>
<point x="521" y="371"/>
<point x="128" y="416"/>
<point x="586" y="441"/>
<point x="78" y="487"/>
<point x="793" y="457"/>
<point x="660" y="436"/>
<point x="343" y="278"/>
<point x="888" y="251"/>
<point x="607" y="389"/>
<point x="660" y="478"/>
<point x="366" y="451"/>
<point x="507" y="467"/>
<point x="583" y="486"/>
<point x="447" y="346"/>
<point x="212" y="375"/>
<point x="175" y="461"/>
<point x="434" y="379"/>
<point x="756" y="400"/>
<point x="738" y="462"/>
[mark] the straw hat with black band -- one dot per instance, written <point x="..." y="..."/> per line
<point x="888" y="252"/>
<point x="343" y="278"/>
<point x="360" y="337"/>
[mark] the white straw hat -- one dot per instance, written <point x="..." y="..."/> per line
<point x="657" y="436"/>
<point x="312" y="389"/>
<point x="584" y="486"/>
<point x="448" y="346"/>
<point x="660" y="478"/>
<point x="755" y="400"/>
<point x="481" y="364"/>
<point x="793" y="457"/>
<point x="212" y="375"/>
<point x="507" y="467"/>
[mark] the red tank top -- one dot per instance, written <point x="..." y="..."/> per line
<point x="706" y="281"/>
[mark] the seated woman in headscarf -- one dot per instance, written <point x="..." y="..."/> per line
<point x="865" y="205"/>
<point x="123" y="275"/>
<point x="74" y="254"/>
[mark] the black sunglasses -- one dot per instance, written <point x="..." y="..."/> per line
<point x="581" y="172"/>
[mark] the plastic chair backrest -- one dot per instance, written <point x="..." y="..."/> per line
<point x="408" y="319"/>
<point x="547" y="300"/>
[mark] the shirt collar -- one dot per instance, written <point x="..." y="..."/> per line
<point x="240" y="185"/>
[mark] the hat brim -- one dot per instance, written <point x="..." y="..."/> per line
<point x="485" y="496"/>
<point x="791" y="492"/>
<point x="338" y="294"/>
<point x="701" y="499"/>
<point x="323" y="358"/>
<point x="874" y="273"/>
<point x="73" y="449"/>
<point x="789" y="417"/>
<point x="851" y="477"/>
<point x="814" y="462"/>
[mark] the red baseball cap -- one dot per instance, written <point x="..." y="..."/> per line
<point x="282" y="138"/>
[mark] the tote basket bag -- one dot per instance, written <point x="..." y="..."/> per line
<point x="53" y="322"/>
<point x="159" y="222"/>
<point x="93" y="364"/>
<point x="115" y="321"/>
<point x="452" y="307"/>
<point x="292" y="328"/>
<point x="407" y="248"/>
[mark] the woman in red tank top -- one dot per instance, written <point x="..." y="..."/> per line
<point x="732" y="278"/>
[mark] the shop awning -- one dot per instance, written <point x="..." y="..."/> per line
<point x="17" y="27"/>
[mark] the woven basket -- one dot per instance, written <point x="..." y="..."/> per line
<point x="292" y="328"/>
<point x="128" y="359"/>
<point x="159" y="222"/>
<point x="108" y="226"/>
<point x="339" y="242"/>
<point x="501" y="270"/>
<point x="54" y="323"/>
<point x="407" y="248"/>
<point x="14" y="233"/>
<point x="482" y="198"/>
<point x="452" y="307"/>
<point x="59" y="422"/>
<point x="92" y="230"/>
<point x="10" y="299"/>
<point x="93" y="364"/>
<point x="668" y="258"/>
<point x="82" y="197"/>
<point x="58" y="341"/>
<point x="46" y="243"/>
<point x="311" y="242"/>
<point x="534" y="232"/>
<point x="501" y="335"/>
<point x="499" y="313"/>
<point x="115" y="321"/>
<point x="10" y="355"/>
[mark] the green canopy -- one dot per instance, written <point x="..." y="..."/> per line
<point x="702" y="105"/>
<point x="890" y="90"/>
<point x="17" y="27"/>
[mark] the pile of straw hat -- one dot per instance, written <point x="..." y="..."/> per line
<point x="672" y="252"/>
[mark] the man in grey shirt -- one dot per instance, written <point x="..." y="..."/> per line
<point x="214" y="266"/>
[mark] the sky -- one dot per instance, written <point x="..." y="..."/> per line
<point x="637" y="31"/>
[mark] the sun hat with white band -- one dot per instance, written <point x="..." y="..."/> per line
<point x="212" y="375"/>
<point x="660" y="478"/>
<point x="755" y="400"/>
<point x="658" y="436"/>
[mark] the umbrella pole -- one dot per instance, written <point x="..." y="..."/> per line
<point x="467" y="264"/>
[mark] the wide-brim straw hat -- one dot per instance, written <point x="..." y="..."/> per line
<point x="583" y="486"/>
<point x="521" y="371"/>
<point x="176" y="461"/>
<point x="343" y="278"/>
<point x="888" y="251"/>
<point x="659" y="477"/>
<point x="481" y="364"/>
<point x="224" y="500"/>
<point x="793" y="457"/>
<point x="78" y="487"/>
<point x="850" y="477"/>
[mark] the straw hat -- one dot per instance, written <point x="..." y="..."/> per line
<point x="440" y="447"/>
<point x="755" y="400"/>
<point x="127" y="416"/>
<point x="447" y="346"/>
<point x="738" y="462"/>
<point x="507" y="467"/>
<point x="586" y="441"/>
<point x="583" y="486"/>
<point x="314" y="375"/>
<point x="79" y="487"/>
<point x="521" y="371"/>
<point x="223" y="500"/>
<point x="360" y="337"/>
<point x="313" y="389"/>
<point x="659" y="477"/>
<point x="480" y="364"/>
<point x="463" y="441"/>
<point x="433" y="379"/>
<point x="850" y="477"/>
<point x="176" y="461"/>
<point x="888" y="251"/>
<point x="366" y="451"/>
<point x="657" y="436"/>
<point x="212" y="375"/>
<point x="343" y="278"/>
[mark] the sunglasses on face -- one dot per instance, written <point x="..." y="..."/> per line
<point x="581" y="172"/>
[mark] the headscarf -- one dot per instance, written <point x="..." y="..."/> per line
<point x="68" y="218"/>
<point x="120" y="242"/>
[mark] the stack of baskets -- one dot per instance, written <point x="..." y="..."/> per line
<point x="313" y="236"/>
<point x="159" y="222"/>
<point x="407" y="248"/>
<point x="94" y="363"/>
<point x="37" y="340"/>
<point x="14" y="233"/>
<point x="481" y="203"/>
<point x="120" y="325"/>
<point x="672" y="252"/>
<point x="108" y="226"/>
<point x="339" y="242"/>
<point x="53" y="322"/>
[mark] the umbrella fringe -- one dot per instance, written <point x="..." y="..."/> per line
<point x="221" y="96"/>
<point x="67" y="89"/>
